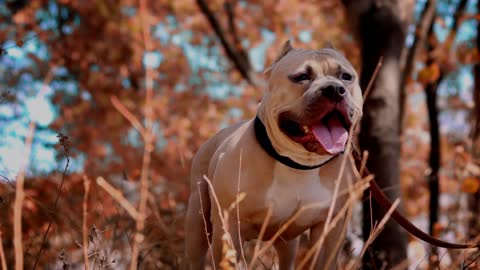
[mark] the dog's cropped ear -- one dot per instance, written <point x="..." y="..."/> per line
<point x="329" y="45"/>
<point x="286" y="47"/>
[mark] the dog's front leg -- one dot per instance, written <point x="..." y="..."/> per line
<point x="327" y="259"/>
<point x="219" y="241"/>
<point x="287" y="251"/>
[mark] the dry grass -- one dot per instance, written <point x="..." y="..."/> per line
<point x="86" y="184"/>
<point x="19" y="196"/>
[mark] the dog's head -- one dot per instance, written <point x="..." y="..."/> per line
<point x="313" y="99"/>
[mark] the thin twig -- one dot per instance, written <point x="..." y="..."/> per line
<point x="86" y="184"/>
<point x="328" y="227"/>
<point x="118" y="196"/>
<point x="256" y="250"/>
<point x="238" y="207"/>
<point x="471" y="262"/>
<point x="3" y="261"/>
<point x="148" y="144"/>
<point x="421" y="30"/>
<point x="205" y="226"/>
<point x="243" y="66"/>
<point x="359" y="186"/>
<point x="128" y="115"/>
<point x="372" y="79"/>
<point x="42" y="92"/>
<point x="63" y="143"/>
<point x="19" y="196"/>
<point x="221" y="213"/>
<point x="156" y="212"/>
<point x="335" y="192"/>
<point x="374" y="234"/>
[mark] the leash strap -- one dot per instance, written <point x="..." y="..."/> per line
<point x="385" y="203"/>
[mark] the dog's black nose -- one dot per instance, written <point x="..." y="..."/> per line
<point x="334" y="92"/>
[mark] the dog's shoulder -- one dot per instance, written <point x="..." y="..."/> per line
<point x="211" y="148"/>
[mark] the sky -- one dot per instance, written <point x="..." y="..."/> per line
<point x="34" y="98"/>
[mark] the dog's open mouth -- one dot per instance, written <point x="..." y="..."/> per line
<point x="327" y="135"/>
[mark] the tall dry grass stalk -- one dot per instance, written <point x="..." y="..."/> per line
<point x="354" y="196"/>
<point x="334" y="198"/>
<point x="376" y="231"/>
<point x="117" y="196"/>
<point x="3" y="261"/>
<point x="372" y="79"/>
<point x="205" y="225"/>
<point x="242" y="253"/>
<point x="86" y="184"/>
<point x="19" y="196"/>
<point x="148" y="143"/>
<point x="19" y="191"/>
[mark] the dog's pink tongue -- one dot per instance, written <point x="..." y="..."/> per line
<point x="332" y="135"/>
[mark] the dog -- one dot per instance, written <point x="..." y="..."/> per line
<point x="286" y="158"/>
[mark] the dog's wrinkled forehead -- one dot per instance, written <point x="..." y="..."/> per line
<point x="323" y="62"/>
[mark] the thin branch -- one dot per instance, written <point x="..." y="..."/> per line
<point x="148" y="143"/>
<point x="128" y="115"/>
<point x="19" y="193"/>
<point x="63" y="141"/>
<point x="372" y="79"/>
<point x="421" y="30"/>
<point x="431" y="100"/>
<point x="117" y="195"/>
<point x="242" y="253"/>
<point x="86" y="184"/>
<point x="457" y="20"/>
<point x="359" y="186"/>
<point x="238" y="60"/>
<point x="202" y="212"/>
<point x="230" y="10"/>
<point x="374" y="234"/>
<point x="337" y="186"/>
<point x="354" y="196"/>
<point x="19" y="196"/>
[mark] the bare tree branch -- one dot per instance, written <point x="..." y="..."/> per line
<point x="431" y="98"/>
<point x="230" y="10"/>
<point x="420" y="33"/>
<point x="238" y="58"/>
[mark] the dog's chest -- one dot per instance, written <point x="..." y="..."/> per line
<point x="293" y="190"/>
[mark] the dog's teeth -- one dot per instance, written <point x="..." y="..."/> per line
<point x="306" y="129"/>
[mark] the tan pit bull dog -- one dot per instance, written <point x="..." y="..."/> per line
<point x="290" y="157"/>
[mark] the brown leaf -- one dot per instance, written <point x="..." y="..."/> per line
<point x="471" y="185"/>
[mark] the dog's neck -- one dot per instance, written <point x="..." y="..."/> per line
<point x="266" y="144"/>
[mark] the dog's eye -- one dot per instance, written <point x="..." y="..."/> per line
<point x="346" y="77"/>
<point x="302" y="77"/>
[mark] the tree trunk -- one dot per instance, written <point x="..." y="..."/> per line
<point x="381" y="28"/>
<point x="474" y="200"/>
<point x="434" y="158"/>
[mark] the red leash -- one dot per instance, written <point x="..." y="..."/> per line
<point x="385" y="203"/>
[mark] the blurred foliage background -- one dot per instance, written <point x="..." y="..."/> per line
<point x="63" y="62"/>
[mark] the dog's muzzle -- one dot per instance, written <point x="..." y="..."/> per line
<point x="335" y="92"/>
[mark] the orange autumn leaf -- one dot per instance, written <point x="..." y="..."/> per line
<point x="438" y="228"/>
<point x="471" y="185"/>
<point x="429" y="74"/>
